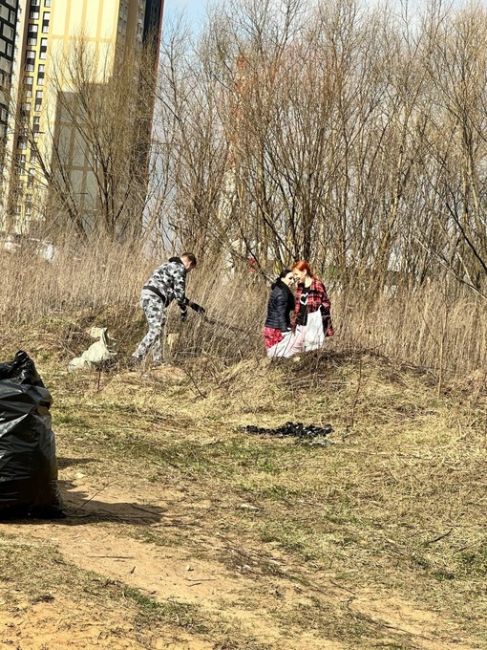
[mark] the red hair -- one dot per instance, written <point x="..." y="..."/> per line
<point x="302" y="265"/>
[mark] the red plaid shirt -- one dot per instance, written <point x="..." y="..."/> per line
<point x="317" y="299"/>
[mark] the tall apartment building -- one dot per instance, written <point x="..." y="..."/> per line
<point x="8" y="30"/>
<point x="12" y="15"/>
<point x="52" y="32"/>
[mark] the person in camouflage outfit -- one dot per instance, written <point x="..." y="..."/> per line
<point x="167" y="283"/>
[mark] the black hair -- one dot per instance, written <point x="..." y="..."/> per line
<point x="281" y="275"/>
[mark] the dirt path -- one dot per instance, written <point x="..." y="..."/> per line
<point x="99" y="538"/>
<point x="169" y="573"/>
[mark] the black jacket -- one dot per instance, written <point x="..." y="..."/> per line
<point x="280" y="306"/>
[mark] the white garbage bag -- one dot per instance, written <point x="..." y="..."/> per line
<point x="97" y="354"/>
<point x="314" y="336"/>
<point x="306" y="337"/>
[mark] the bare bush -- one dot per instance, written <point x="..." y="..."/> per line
<point x="421" y="326"/>
<point x="354" y="137"/>
<point x="349" y="136"/>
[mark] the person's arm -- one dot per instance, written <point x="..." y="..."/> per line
<point x="281" y="307"/>
<point x="321" y="289"/>
<point x="179" y="287"/>
<point x="325" y="309"/>
<point x="297" y="305"/>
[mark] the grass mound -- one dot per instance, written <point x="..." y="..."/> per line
<point x="376" y="540"/>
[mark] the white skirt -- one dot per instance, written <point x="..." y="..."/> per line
<point x="284" y="348"/>
<point x="306" y="338"/>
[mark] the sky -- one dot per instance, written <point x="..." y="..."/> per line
<point x="194" y="11"/>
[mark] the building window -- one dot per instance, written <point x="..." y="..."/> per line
<point x="32" y="35"/>
<point x="45" y="22"/>
<point x="8" y="32"/>
<point x="43" y="50"/>
<point x="30" y="60"/>
<point x="38" y="103"/>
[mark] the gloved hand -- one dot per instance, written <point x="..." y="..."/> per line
<point x="184" y="316"/>
<point x="197" y="308"/>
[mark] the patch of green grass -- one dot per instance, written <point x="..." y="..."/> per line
<point x="443" y="574"/>
<point x="275" y="492"/>
<point x="222" y="458"/>
<point x="231" y="643"/>
<point x="158" y="538"/>
<point x="169" y="612"/>
<point x="19" y="561"/>
<point x="334" y="621"/>
<point x="473" y="562"/>
<point x="75" y="423"/>
<point x="288" y="535"/>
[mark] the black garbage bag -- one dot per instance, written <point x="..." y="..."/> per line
<point x="291" y="430"/>
<point x="28" y="466"/>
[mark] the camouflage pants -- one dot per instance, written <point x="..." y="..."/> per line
<point x="155" y="313"/>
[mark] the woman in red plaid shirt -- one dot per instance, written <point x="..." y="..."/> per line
<point x="312" y="310"/>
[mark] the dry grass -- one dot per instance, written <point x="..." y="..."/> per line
<point x="374" y="541"/>
<point x="439" y="327"/>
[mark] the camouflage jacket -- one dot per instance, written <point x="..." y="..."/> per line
<point x="169" y="280"/>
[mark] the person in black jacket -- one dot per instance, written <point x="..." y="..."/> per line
<point x="277" y="327"/>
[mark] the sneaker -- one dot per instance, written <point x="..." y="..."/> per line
<point x="133" y="362"/>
